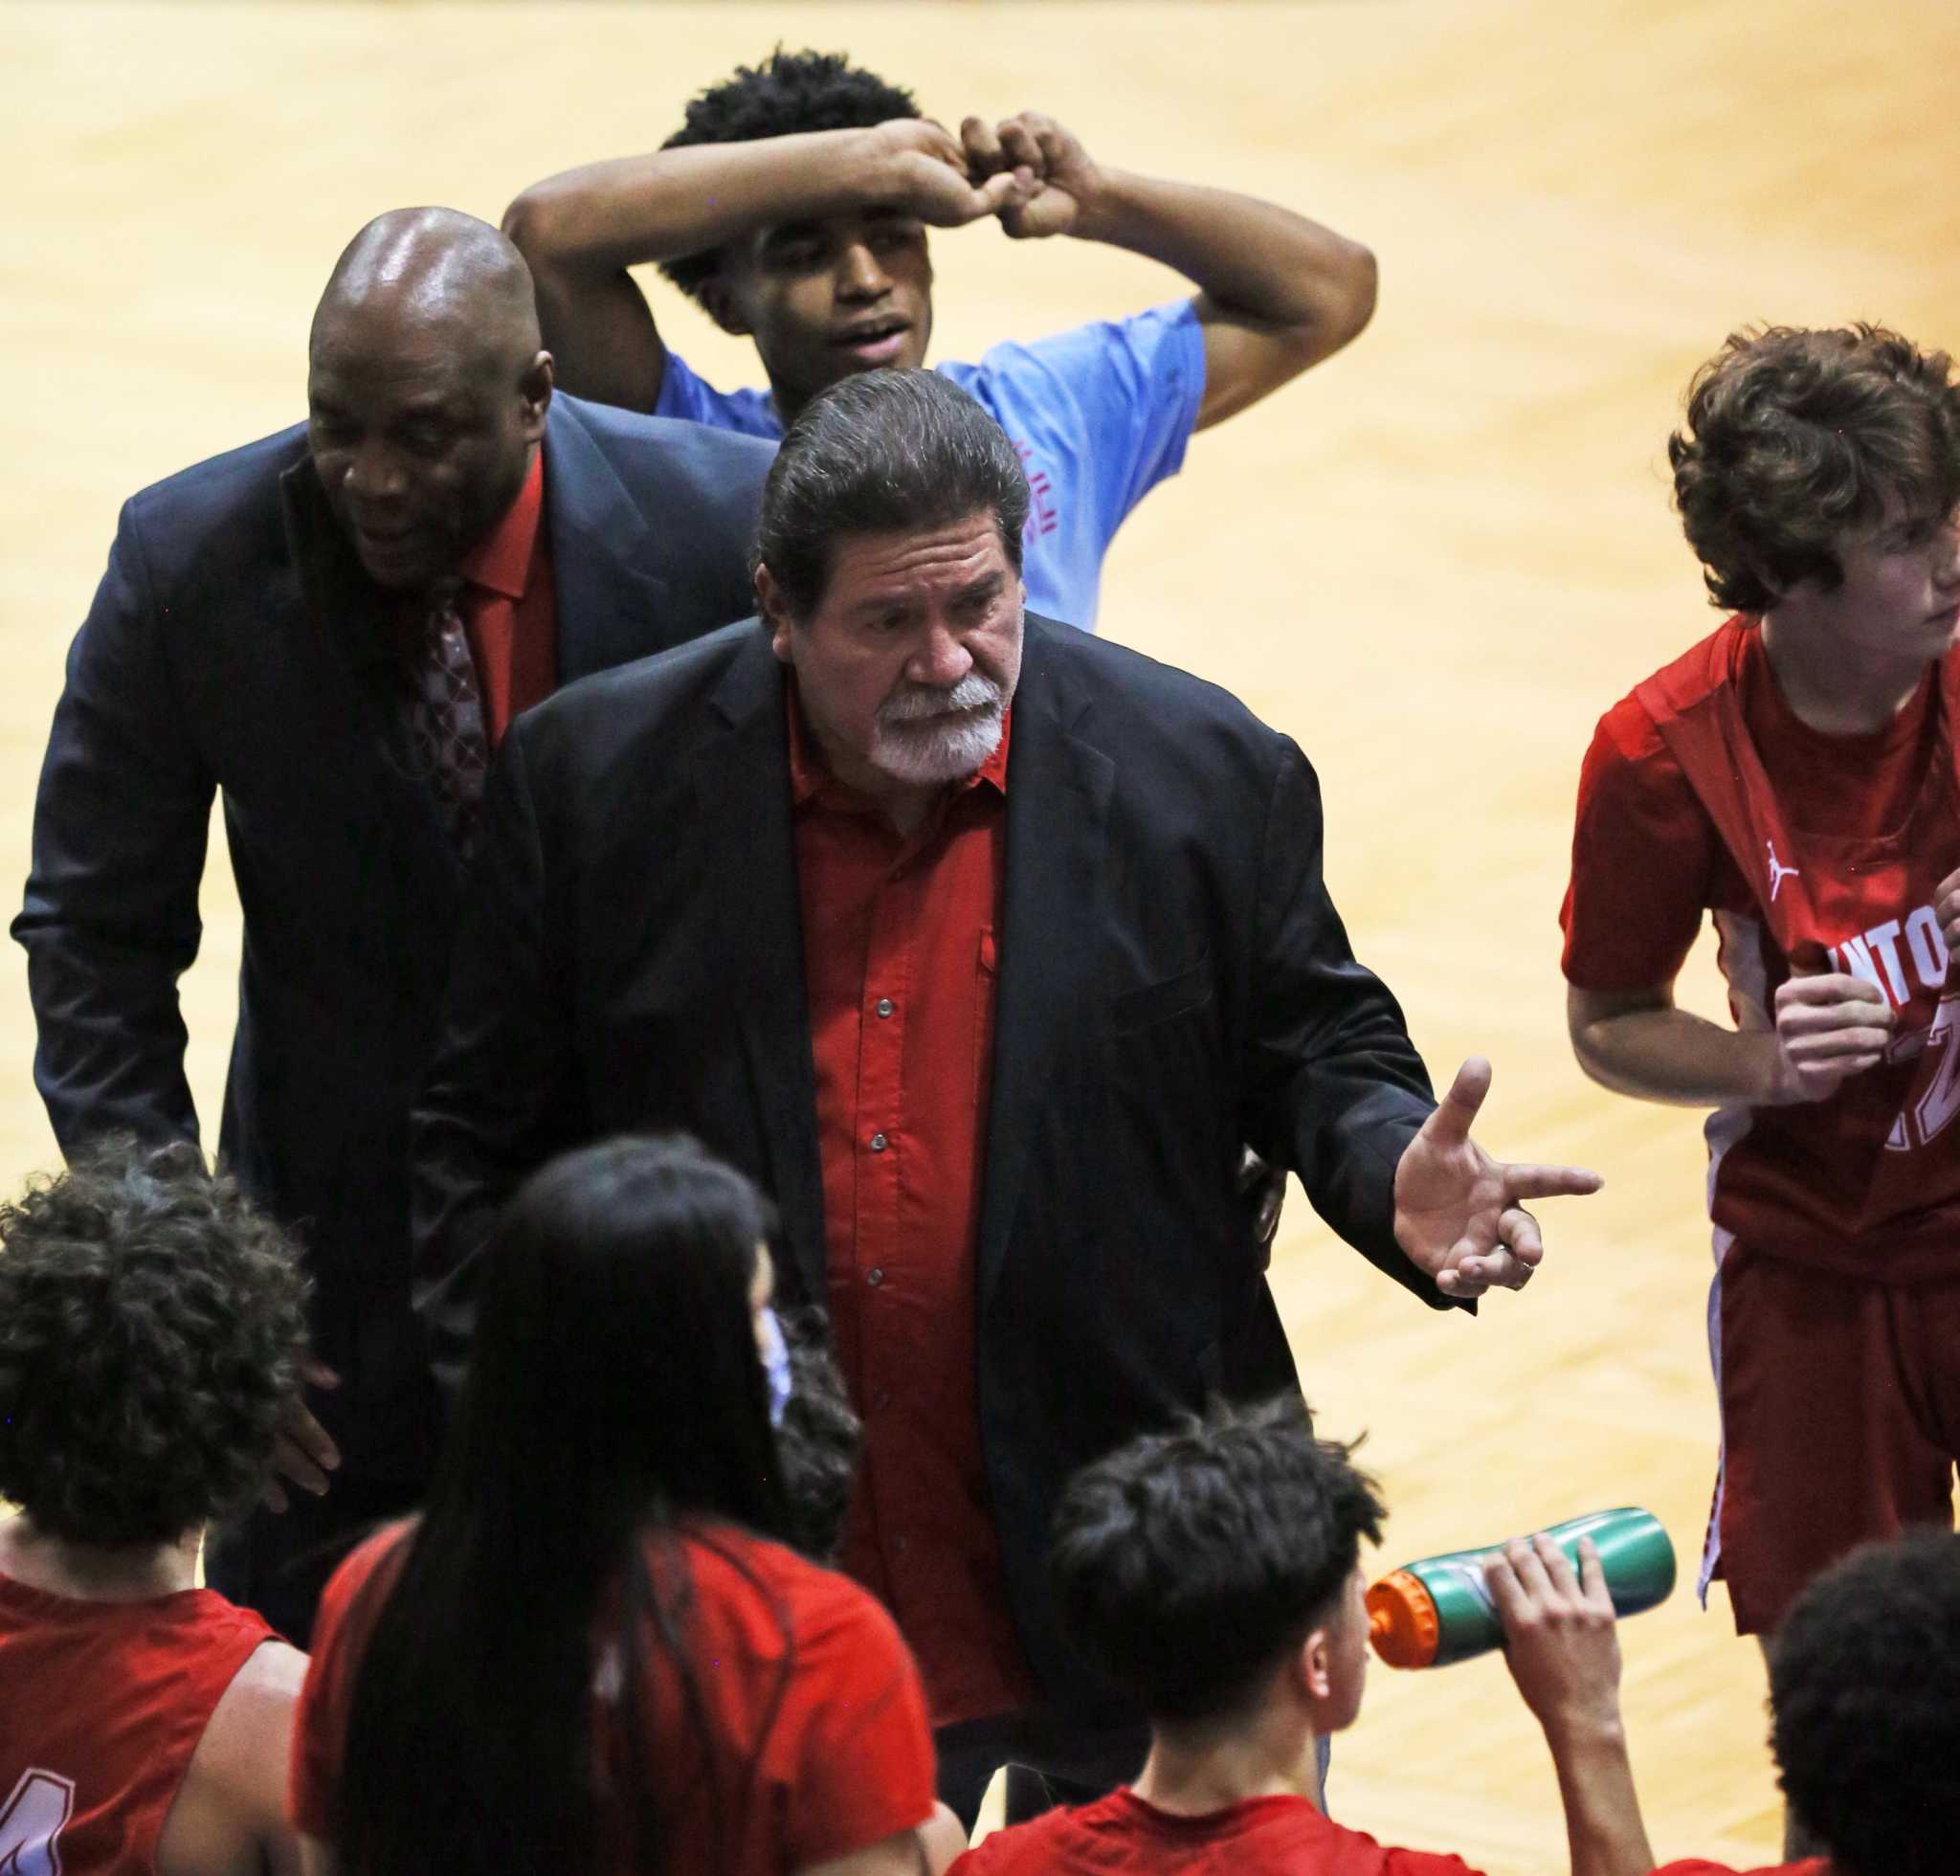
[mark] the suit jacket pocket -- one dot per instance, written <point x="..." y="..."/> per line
<point x="1155" y="1003"/>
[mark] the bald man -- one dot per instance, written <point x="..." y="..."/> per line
<point x="334" y="626"/>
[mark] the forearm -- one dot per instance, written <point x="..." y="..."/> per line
<point x="610" y="215"/>
<point x="1604" y="1830"/>
<point x="1253" y="259"/>
<point x="1673" y="1056"/>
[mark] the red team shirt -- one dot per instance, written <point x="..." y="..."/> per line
<point x="1120" y="1835"/>
<point x="1845" y="839"/>
<point x="808" y="1691"/>
<point x="900" y="974"/>
<point x="101" y="1706"/>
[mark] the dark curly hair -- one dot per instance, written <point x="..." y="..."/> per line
<point x="1795" y="439"/>
<point x="789" y="92"/>
<point x="1864" y="1693"/>
<point x="1185" y="1563"/>
<point x="150" y="1327"/>
<point x="819" y="1439"/>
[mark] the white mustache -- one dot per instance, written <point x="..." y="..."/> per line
<point x="973" y="692"/>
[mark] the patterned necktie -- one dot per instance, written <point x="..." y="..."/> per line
<point x="447" y="718"/>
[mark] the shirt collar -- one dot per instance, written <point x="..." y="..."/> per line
<point x="810" y="775"/>
<point x="502" y="560"/>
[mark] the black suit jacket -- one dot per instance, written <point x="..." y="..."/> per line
<point x="236" y="644"/>
<point x="1173" y="982"/>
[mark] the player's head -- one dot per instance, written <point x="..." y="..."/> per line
<point x="1214" y="1570"/>
<point x="150" y="1327"/>
<point x="888" y="565"/>
<point x="821" y="297"/>
<point x="615" y="1356"/>
<point x="1810" y="460"/>
<point x="1864" y="1693"/>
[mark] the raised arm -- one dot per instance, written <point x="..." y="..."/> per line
<point x="1277" y="293"/>
<point x="583" y="229"/>
<point x="110" y="920"/>
<point x="501" y="1097"/>
<point x="1562" y="1649"/>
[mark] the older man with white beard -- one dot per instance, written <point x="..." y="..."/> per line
<point x="982" y="945"/>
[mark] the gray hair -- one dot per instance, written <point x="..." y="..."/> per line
<point x="881" y="452"/>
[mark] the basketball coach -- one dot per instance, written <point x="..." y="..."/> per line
<point x="332" y="627"/>
<point x="984" y="945"/>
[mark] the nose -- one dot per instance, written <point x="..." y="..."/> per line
<point x="941" y="660"/>
<point x="375" y="473"/>
<point x="861" y="273"/>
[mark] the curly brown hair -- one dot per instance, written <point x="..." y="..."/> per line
<point x="1795" y="438"/>
<point x="150" y="1327"/>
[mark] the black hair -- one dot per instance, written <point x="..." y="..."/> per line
<point x="150" y="1326"/>
<point x="613" y="1390"/>
<point x="1187" y="1563"/>
<point x="787" y="93"/>
<point x="882" y="452"/>
<point x="1864" y="1696"/>
<point x="819" y="1438"/>
<point x="1793" y="440"/>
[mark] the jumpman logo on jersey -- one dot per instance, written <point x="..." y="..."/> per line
<point x="1778" y="872"/>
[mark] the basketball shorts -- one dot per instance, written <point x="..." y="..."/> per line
<point x="1840" y="1423"/>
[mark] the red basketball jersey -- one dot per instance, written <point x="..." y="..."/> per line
<point x="1867" y="1181"/>
<point x="101" y="1705"/>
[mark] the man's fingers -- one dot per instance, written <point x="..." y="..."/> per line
<point x="1592" y="1574"/>
<point x="1456" y="1112"/>
<point x="1517" y="1232"/>
<point x="1829" y="987"/>
<point x="981" y="147"/>
<point x="1019" y="145"/>
<point x="1835" y="1043"/>
<point x="1003" y="189"/>
<point x="1526" y="1181"/>
<point x="295" y="1462"/>
<point x="306" y="1435"/>
<point x="1558" y="1567"/>
<point x="274" y="1497"/>
<point x="1506" y="1591"/>
<point x="316" y="1373"/>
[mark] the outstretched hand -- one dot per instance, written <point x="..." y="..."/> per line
<point x="1460" y="1214"/>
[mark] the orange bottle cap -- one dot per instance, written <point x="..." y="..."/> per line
<point x="1401" y="1620"/>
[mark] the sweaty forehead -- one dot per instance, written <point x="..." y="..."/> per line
<point x="958" y="554"/>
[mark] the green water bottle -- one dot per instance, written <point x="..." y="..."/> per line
<point x="1438" y="1608"/>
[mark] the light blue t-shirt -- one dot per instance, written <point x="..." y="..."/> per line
<point x="1100" y="415"/>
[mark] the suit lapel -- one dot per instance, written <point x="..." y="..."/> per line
<point x="604" y="555"/>
<point x="350" y="613"/>
<point x="1058" y="804"/>
<point x="743" y="789"/>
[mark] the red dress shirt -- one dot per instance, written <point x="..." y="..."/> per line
<point x="900" y="966"/>
<point x="509" y="609"/>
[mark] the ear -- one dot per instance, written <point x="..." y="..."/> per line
<point x="775" y="611"/>
<point x="1314" y="1664"/>
<point x="724" y="306"/>
<point x="535" y="388"/>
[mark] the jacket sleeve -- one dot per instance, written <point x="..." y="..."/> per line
<point x="497" y="1101"/>
<point x="110" y="921"/>
<point x="1336" y="1089"/>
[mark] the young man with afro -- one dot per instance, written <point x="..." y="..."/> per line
<point x="152" y="1327"/>
<point x="793" y="205"/>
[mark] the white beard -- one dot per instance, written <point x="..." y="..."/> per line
<point x="922" y="742"/>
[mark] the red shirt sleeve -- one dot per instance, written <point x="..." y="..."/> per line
<point x="1642" y="854"/>
<point x="319" y="1726"/>
<point x="857" y="1711"/>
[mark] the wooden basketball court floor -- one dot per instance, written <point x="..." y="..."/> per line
<point x="1434" y="561"/>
